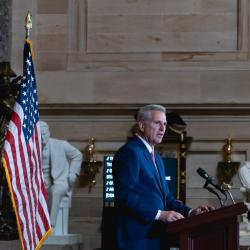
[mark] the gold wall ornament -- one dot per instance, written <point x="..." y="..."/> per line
<point x="90" y="167"/>
<point x="227" y="169"/>
<point x="227" y="150"/>
<point x="89" y="151"/>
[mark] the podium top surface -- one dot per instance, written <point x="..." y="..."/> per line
<point x="206" y="218"/>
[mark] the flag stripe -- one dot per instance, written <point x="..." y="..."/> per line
<point x="27" y="177"/>
<point x="23" y="206"/>
<point x="16" y="198"/>
<point x="31" y="192"/>
<point x="22" y="163"/>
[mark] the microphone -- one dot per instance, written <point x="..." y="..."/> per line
<point x="209" y="179"/>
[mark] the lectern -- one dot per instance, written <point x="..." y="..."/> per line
<point x="215" y="230"/>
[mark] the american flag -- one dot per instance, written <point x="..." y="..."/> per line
<point x="22" y="162"/>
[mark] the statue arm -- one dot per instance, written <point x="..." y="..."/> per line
<point x="75" y="158"/>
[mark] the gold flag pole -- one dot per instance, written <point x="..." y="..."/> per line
<point x="28" y="24"/>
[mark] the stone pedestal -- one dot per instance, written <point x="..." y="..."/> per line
<point x="10" y="245"/>
<point x="245" y="242"/>
<point x="62" y="219"/>
<point x="63" y="242"/>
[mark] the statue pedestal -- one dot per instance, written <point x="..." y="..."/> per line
<point x="65" y="242"/>
<point x="59" y="242"/>
<point x="245" y="240"/>
<point x="10" y="245"/>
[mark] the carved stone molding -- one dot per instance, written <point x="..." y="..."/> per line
<point x="102" y="40"/>
<point x="131" y="109"/>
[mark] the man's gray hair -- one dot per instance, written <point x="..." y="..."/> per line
<point x="143" y="112"/>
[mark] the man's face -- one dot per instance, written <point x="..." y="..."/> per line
<point x="153" y="128"/>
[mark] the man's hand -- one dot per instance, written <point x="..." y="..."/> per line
<point x="201" y="210"/>
<point x="169" y="216"/>
<point x="72" y="178"/>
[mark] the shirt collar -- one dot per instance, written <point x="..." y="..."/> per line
<point x="148" y="146"/>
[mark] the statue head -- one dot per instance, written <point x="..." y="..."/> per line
<point x="45" y="133"/>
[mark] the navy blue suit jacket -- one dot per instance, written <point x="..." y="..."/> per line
<point x="139" y="193"/>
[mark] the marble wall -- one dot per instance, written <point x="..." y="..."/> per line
<point x="137" y="52"/>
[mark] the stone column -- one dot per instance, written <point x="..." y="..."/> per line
<point x="5" y="28"/>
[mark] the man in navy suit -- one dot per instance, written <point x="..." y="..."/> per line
<point x="142" y="198"/>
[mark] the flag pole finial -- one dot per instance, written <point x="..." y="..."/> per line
<point x="28" y="24"/>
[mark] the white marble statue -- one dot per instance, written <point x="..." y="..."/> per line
<point x="244" y="175"/>
<point x="61" y="163"/>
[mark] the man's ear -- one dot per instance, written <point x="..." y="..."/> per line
<point x="141" y="126"/>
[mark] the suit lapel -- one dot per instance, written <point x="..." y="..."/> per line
<point x="160" y="178"/>
<point x="153" y="168"/>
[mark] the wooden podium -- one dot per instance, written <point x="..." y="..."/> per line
<point x="216" y="230"/>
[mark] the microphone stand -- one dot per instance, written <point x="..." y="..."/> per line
<point x="231" y="197"/>
<point x="214" y="192"/>
<point x="227" y="187"/>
